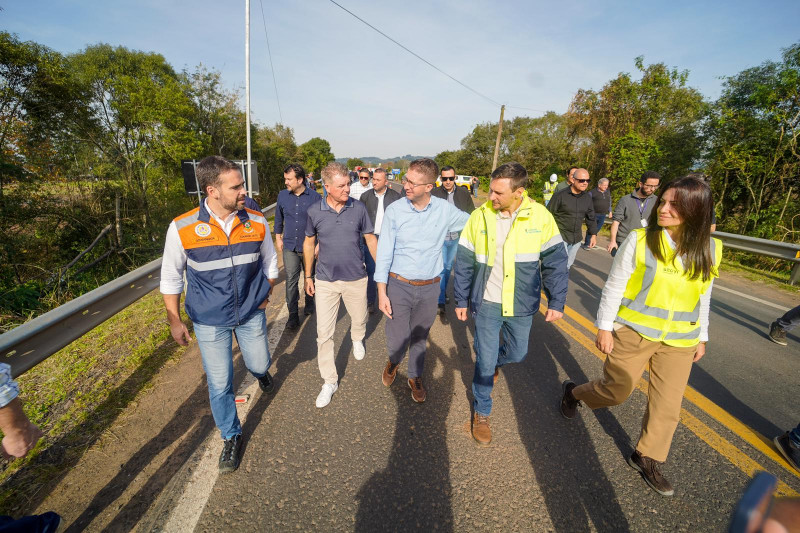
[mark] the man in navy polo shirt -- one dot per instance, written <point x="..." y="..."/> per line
<point x="338" y="222"/>
<point x="291" y="216"/>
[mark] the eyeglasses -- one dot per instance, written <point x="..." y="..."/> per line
<point x="582" y="181"/>
<point x="406" y="182"/>
<point x="448" y="178"/>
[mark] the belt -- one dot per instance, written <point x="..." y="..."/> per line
<point x="416" y="282"/>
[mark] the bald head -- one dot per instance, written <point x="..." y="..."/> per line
<point x="580" y="180"/>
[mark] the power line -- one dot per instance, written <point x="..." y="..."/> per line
<point x="271" y="66"/>
<point x="416" y="55"/>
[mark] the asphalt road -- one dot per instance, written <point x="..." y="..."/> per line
<point x="373" y="460"/>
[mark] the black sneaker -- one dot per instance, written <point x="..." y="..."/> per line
<point x="229" y="458"/>
<point x="569" y="405"/>
<point x="308" y="310"/>
<point x="789" y="449"/>
<point x="648" y="468"/>
<point x="266" y="383"/>
<point x="776" y="334"/>
<point x="293" y="322"/>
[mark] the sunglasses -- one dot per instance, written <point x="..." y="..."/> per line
<point x="582" y="181"/>
<point x="451" y="178"/>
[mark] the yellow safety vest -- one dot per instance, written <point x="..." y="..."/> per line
<point x="549" y="188"/>
<point x="660" y="302"/>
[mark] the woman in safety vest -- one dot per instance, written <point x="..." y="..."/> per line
<point x="654" y="310"/>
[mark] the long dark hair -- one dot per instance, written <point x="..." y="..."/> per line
<point x="693" y="202"/>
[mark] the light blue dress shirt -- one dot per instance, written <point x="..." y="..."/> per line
<point x="410" y="244"/>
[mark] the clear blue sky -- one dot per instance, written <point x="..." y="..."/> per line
<point x="339" y="80"/>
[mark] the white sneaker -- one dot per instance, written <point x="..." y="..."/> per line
<point x="326" y="393"/>
<point x="358" y="350"/>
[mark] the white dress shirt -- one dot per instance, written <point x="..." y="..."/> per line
<point x="356" y="189"/>
<point x="621" y="270"/>
<point x="379" y="212"/>
<point x="173" y="264"/>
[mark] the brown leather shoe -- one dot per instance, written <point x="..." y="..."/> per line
<point x="496" y="373"/>
<point x="417" y="390"/>
<point x="481" y="431"/>
<point x="389" y="373"/>
<point x="652" y="475"/>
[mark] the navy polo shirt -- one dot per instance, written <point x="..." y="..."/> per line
<point x="291" y="217"/>
<point x="339" y="235"/>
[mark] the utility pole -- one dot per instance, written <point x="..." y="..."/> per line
<point x="247" y="92"/>
<point x="499" y="133"/>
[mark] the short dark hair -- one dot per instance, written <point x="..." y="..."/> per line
<point x="570" y="169"/>
<point x="446" y="167"/>
<point x="426" y="167"/>
<point x="379" y="170"/>
<point x="649" y="175"/>
<point x="364" y="169"/>
<point x="299" y="171"/>
<point x="210" y="169"/>
<point x="513" y="171"/>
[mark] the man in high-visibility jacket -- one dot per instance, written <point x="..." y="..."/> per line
<point x="503" y="248"/>
<point x="226" y="251"/>
<point x="550" y="188"/>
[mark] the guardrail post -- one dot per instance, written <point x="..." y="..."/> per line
<point x="795" y="277"/>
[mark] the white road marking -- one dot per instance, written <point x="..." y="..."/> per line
<point x="753" y="298"/>
<point x="195" y="494"/>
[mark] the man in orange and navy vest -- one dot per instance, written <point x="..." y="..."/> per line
<point x="226" y="251"/>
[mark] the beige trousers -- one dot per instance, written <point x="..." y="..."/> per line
<point x="669" y="374"/>
<point x="327" y="296"/>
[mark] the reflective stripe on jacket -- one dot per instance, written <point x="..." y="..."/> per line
<point x="660" y="302"/>
<point x="533" y="255"/>
<point x="226" y="283"/>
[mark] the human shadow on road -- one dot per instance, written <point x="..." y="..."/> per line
<point x="740" y="318"/>
<point x="715" y="391"/>
<point x="576" y="490"/>
<point x="413" y="492"/>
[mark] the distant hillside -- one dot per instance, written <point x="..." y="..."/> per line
<point x="373" y="161"/>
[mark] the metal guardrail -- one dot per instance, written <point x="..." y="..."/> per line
<point x="781" y="250"/>
<point x="31" y="343"/>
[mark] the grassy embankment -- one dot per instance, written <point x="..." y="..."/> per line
<point x="78" y="393"/>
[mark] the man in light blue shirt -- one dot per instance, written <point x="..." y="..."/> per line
<point x="408" y="268"/>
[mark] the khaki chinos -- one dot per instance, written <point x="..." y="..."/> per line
<point x="328" y="294"/>
<point x="670" y="367"/>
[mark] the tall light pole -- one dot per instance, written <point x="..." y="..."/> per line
<point x="247" y="92"/>
<point x="499" y="133"/>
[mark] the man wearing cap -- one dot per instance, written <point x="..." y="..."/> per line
<point x="550" y="188"/>
<point x="408" y="269"/>
<point x="226" y="252"/>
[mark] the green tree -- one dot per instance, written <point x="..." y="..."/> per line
<point x="753" y="149"/>
<point x="354" y="162"/>
<point x="629" y="156"/>
<point x="316" y="153"/>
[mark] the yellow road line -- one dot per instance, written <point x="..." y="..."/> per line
<point x="705" y="433"/>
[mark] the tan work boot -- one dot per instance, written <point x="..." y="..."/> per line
<point x="481" y="431"/>
<point x="417" y="390"/>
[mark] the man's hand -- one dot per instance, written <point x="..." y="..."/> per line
<point x="611" y="246"/>
<point x="593" y="241"/>
<point x="604" y="341"/>
<point x="279" y="242"/>
<point x="461" y="313"/>
<point x="180" y="333"/>
<point x="310" y="286"/>
<point x="264" y="303"/>
<point x="385" y="305"/>
<point x="701" y="351"/>
<point x="552" y="315"/>
<point x="18" y="443"/>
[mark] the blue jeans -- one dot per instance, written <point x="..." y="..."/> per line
<point x="789" y="321"/>
<point x="572" y="251"/>
<point x="599" y="219"/>
<point x="216" y="349"/>
<point x="448" y="256"/>
<point x="369" y="262"/>
<point x="489" y="322"/>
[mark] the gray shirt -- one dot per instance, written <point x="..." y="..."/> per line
<point x="630" y="211"/>
<point x="339" y="235"/>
